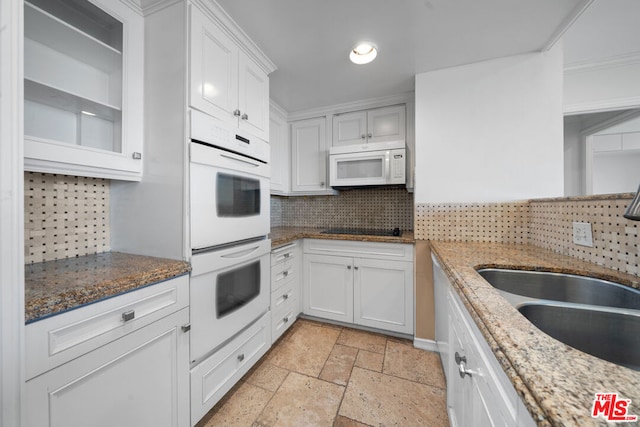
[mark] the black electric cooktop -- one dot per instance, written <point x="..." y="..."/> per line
<point x="362" y="232"/>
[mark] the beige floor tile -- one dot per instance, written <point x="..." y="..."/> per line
<point x="378" y="399"/>
<point x="347" y="422"/>
<point x="240" y="408"/>
<point x="306" y="351"/>
<point x="369" y="360"/>
<point x="405" y="361"/>
<point x="363" y="340"/>
<point x="302" y="401"/>
<point x="337" y="369"/>
<point x="267" y="376"/>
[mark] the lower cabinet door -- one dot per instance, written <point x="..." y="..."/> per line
<point x="141" y="379"/>
<point x="383" y="294"/>
<point x="328" y="287"/>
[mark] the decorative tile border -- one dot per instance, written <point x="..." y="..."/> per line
<point x="65" y="216"/>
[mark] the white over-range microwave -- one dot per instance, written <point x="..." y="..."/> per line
<point x="374" y="164"/>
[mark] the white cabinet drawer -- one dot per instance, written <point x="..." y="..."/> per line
<point x="53" y="341"/>
<point x="214" y="376"/>
<point x="283" y="317"/>
<point x="283" y="253"/>
<point x="345" y="248"/>
<point x="285" y="293"/>
<point x="284" y="272"/>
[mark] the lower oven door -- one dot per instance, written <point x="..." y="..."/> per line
<point x="229" y="290"/>
<point x="229" y="197"/>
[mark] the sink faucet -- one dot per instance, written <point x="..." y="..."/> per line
<point x="633" y="210"/>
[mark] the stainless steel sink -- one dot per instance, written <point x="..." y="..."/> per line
<point x="562" y="287"/>
<point x="609" y="334"/>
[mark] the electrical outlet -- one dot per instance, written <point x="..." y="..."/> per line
<point x="582" y="234"/>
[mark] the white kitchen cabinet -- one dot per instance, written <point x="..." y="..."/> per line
<point x="479" y="393"/>
<point x="83" y="88"/>
<point x="309" y="152"/>
<point x="383" y="294"/>
<point x="364" y="283"/>
<point x="370" y="126"/>
<point x="285" y="287"/>
<point x="280" y="151"/>
<point x="328" y="287"/>
<point x="140" y="378"/>
<point x="224" y="81"/>
<point x="212" y="378"/>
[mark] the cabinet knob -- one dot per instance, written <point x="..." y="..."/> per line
<point x="285" y="320"/>
<point x="128" y="315"/>
<point x="363" y="136"/>
<point x="285" y="296"/>
<point x="186" y="328"/>
<point x="322" y="184"/>
<point x="348" y="267"/>
<point x="245" y="116"/>
<point x="285" y="273"/>
<point x="240" y="357"/>
<point x="287" y="255"/>
<point x="369" y="135"/>
<point x="461" y="361"/>
<point x="236" y="113"/>
<point x="136" y="155"/>
<point x="356" y="267"/>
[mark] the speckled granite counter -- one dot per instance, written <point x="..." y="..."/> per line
<point x="556" y="382"/>
<point x="56" y="286"/>
<point x="282" y="235"/>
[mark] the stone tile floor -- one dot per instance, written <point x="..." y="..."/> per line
<point x="319" y="374"/>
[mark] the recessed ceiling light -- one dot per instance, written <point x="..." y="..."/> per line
<point x="363" y="53"/>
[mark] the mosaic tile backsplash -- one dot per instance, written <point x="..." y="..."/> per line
<point x="546" y="223"/>
<point x="375" y="208"/>
<point x="65" y="216"/>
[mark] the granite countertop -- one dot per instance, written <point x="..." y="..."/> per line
<point x="556" y="382"/>
<point x="55" y="286"/>
<point x="282" y="235"/>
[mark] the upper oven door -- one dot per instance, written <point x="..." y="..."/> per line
<point x="229" y="199"/>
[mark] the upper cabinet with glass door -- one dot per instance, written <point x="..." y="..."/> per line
<point x="83" y="88"/>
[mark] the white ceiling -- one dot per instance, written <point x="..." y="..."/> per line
<point x="309" y="40"/>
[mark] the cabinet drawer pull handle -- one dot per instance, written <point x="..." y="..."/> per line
<point x="128" y="315"/>
<point x="462" y="368"/>
<point x="240" y="357"/>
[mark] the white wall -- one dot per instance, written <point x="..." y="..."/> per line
<point x="490" y="131"/>
<point x="574" y="159"/>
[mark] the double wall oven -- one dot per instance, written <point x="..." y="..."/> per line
<point x="229" y="221"/>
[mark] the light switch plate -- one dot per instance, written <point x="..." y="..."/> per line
<point x="582" y="234"/>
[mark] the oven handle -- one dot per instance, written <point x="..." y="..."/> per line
<point x="240" y="160"/>
<point x="242" y="253"/>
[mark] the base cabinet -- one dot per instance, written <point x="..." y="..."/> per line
<point x="140" y="379"/>
<point x="478" y="391"/>
<point x="374" y="289"/>
<point x="285" y="288"/>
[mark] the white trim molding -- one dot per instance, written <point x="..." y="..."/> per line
<point x="423" y="344"/>
<point x="12" y="370"/>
